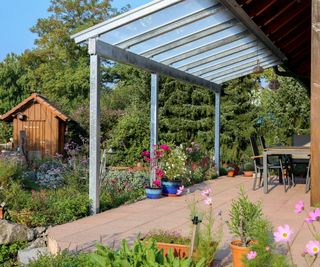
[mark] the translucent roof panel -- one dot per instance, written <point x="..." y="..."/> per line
<point x="202" y="38"/>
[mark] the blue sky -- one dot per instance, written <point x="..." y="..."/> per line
<point x="18" y="16"/>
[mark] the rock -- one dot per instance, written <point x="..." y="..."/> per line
<point x="31" y="235"/>
<point x="12" y="232"/>
<point x="27" y="255"/>
<point x="38" y="243"/>
<point x="39" y="231"/>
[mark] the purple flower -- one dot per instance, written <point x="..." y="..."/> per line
<point x="251" y="255"/>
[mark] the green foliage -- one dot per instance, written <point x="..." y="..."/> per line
<point x="264" y="247"/>
<point x="10" y="170"/>
<point x="284" y="112"/>
<point x="44" y="207"/>
<point x="8" y="253"/>
<point x="130" y="136"/>
<point x="186" y="113"/>
<point x="62" y="260"/>
<point x="248" y="166"/>
<point x="139" y="255"/>
<point x="119" y="187"/>
<point x="174" y="163"/>
<point x="244" y="216"/>
<point x="238" y="115"/>
<point x="171" y="237"/>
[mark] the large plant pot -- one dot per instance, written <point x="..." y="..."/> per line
<point x="181" y="251"/>
<point x="248" y="173"/>
<point x="1" y="213"/>
<point x="238" y="253"/>
<point x="170" y="188"/>
<point x="153" y="193"/>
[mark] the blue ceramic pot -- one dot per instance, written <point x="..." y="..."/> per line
<point x="170" y="188"/>
<point x="153" y="193"/>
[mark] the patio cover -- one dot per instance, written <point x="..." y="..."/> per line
<point x="203" y="42"/>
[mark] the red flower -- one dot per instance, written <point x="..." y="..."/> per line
<point x="145" y="153"/>
<point x="157" y="183"/>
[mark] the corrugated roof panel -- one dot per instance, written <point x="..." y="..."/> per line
<point x="201" y="38"/>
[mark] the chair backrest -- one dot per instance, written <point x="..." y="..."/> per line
<point x="300" y="140"/>
<point x="263" y="142"/>
<point x="254" y="146"/>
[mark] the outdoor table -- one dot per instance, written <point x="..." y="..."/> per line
<point x="280" y="150"/>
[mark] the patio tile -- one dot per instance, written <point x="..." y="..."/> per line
<point x="127" y="221"/>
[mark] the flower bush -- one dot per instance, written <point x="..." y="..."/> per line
<point x="174" y="163"/>
<point x="49" y="174"/>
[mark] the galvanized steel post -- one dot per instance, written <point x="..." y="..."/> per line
<point x="94" y="143"/>
<point x="153" y="120"/>
<point x="217" y="132"/>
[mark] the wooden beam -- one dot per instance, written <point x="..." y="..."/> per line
<point x="239" y="13"/>
<point x="315" y="103"/>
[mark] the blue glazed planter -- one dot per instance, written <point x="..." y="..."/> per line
<point x="170" y="188"/>
<point x="153" y="193"/>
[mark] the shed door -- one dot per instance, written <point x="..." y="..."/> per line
<point x="35" y="136"/>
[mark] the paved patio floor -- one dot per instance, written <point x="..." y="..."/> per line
<point x="127" y="221"/>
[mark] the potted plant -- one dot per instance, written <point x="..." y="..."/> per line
<point x="173" y="240"/>
<point x="248" y="169"/>
<point x="231" y="171"/>
<point x="154" y="188"/>
<point x="244" y="218"/>
<point x="173" y="163"/>
<point x="203" y="243"/>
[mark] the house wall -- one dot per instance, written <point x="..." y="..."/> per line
<point x="41" y="127"/>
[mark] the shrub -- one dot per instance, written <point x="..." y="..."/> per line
<point x="49" y="174"/>
<point x="119" y="187"/>
<point x="62" y="260"/>
<point x="43" y="207"/>
<point x="8" y="253"/>
<point x="244" y="216"/>
<point x="248" y="166"/>
<point x="10" y="169"/>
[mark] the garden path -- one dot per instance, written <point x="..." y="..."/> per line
<point x="127" y="221"/>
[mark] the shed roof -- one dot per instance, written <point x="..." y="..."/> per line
<point x="9" y="116"/>
<point x="205" y="39"/>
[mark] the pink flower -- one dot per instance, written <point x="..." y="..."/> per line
<point x="251" y="255"/>
<point x="157" y="183"/>
<point x="164" y="147"/>
<point x="208" y="201"/>
<point x="180" y="190"/>
<point x="206" y="192"/>
<point x="315" y="216"/>
<point x="313" y="247"/>
<point x="159" y="173"/>
<point x="267" y="248"/>
<point x="283" y="233"/>
<point x="299" y="207"/>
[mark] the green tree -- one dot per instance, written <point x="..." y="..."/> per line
<point x="238" y="118"/>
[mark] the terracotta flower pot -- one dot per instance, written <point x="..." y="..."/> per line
<point x="1" y="213"/>
<point x="181" y="251"/>
<point x="231" y="173"/>
<point x="238" y="253"/>
<point x="248" y="173"/>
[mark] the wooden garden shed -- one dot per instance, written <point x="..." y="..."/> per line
<point x="38" y="126"/>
